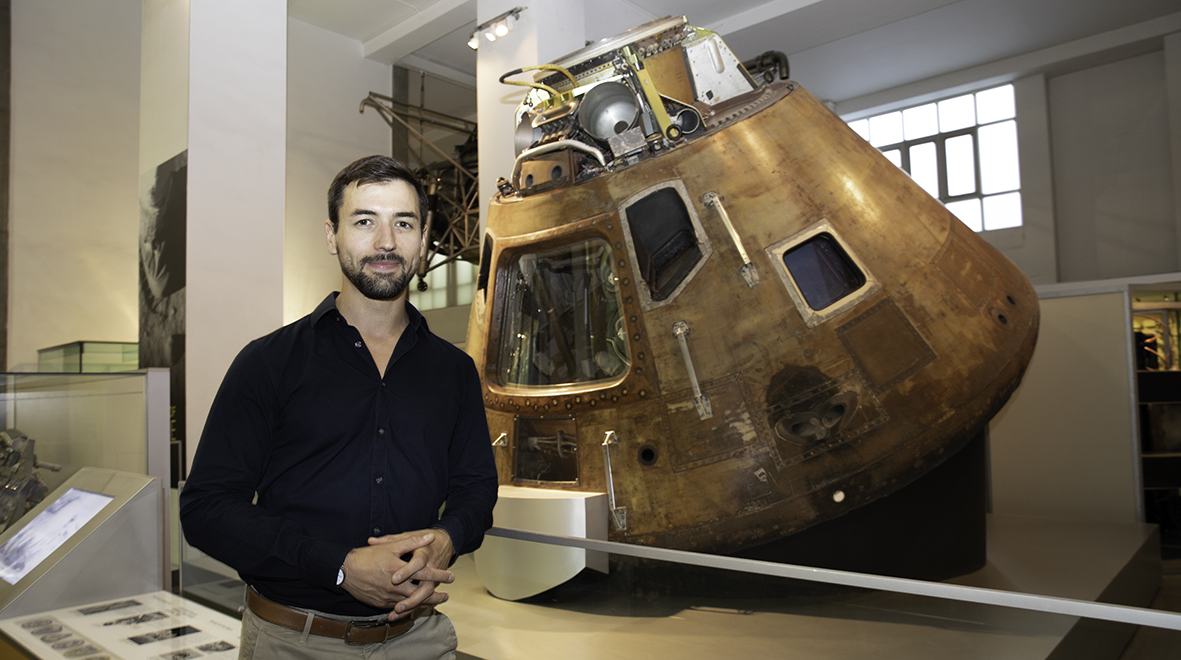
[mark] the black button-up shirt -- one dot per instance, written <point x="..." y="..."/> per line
<point x="337" y="453"/>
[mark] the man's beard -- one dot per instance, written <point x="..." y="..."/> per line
<point x="378" y="287"/>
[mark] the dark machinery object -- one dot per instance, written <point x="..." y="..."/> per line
<point x="452" y="184"/>
<point x="772" y="64"/>
<point x="22" y="487"/>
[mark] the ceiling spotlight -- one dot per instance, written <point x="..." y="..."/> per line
<point x="497" y="27"/>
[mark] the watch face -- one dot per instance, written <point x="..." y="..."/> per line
<point x="340" y="576"/>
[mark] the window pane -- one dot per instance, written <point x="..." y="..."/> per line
<point x="562" y="321"/>
<point x="822" y="271"/>
<point x="435" y="296"/>
<point x="961" y="165"/>
<point x="465" y="282"/>
<point x="957" y="113"/>
<point x="968" y="211"/>
<point x="921" y="121"/>
<point x="862" y="128"/>
<point x="1002" y="211"/>
<point x="664" y="241"/>
<point x="924" y="167"/>
<point x="894" y="156"/>
<point x="995" y="105"/>
<point x="998" y="158"/>
<point x="885" y="129"/>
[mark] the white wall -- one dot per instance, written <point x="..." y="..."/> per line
<point x="327" y="77"/>
<point x="74" y="215"/>
<point x="546" y="31"/>
<point x="1113" y="182"/>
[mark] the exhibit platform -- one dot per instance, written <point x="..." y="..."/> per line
<point x="592" y="619"/>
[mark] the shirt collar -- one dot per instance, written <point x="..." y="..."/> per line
<point x="328" y="305"/>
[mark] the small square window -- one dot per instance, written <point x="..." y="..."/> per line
<point x="823" y="271"/>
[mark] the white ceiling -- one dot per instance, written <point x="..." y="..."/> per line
<point x="838" y="49"/>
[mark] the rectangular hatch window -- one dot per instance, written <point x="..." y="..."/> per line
<point x="664" y="240"/>
<point x="547" y="449"/>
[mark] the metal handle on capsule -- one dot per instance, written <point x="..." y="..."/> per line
<point x="700" y="401"/>
<point x="749" y="273"/>
<point x="618" y="514"/>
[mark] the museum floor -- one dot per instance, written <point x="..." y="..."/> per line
<point x="658" y="611"/>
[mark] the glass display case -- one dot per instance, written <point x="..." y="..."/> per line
<point x="109" y="421"/>
<point x="89" y="357"/>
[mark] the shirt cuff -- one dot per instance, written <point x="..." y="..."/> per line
<point x="324" y="562"/>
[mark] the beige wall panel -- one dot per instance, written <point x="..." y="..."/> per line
<point x="74" y="210"/>
<point x="1064" y="446"/>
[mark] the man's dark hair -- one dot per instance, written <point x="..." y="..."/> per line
<point x="373" y="169"/>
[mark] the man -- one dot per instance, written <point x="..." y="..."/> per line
<point x="354" y="426"/>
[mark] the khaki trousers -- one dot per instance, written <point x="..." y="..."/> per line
<point x="431" y="637"/>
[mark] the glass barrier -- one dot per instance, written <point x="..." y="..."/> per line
<point x="111" y="421"/>
<point x="661" y="603"/>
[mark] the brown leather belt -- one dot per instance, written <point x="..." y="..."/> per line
<point x="365" y="631"/>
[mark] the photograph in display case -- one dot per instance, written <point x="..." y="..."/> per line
<point x="48" y="531"/>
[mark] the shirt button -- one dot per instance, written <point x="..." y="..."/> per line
<point x="378" y="480"/>
<point x="376" y="530"/>
<point x="380" y="431"/>
<point x="358" y="344"/>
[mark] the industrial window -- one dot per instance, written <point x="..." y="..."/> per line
<point x="664" y="241"/>
<point x="562" y="318"/>
<point x="449" y="285"/>
<point x="823" y="271"/>
<point x="962" y="150"/>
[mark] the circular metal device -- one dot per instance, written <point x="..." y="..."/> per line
<point x="608" y="109"/>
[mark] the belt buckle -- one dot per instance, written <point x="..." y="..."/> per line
<point x="365" y="625"/>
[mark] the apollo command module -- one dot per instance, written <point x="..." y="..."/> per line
<point x="707" y="297"/>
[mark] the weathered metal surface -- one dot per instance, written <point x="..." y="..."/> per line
<point x="812" y="412"/>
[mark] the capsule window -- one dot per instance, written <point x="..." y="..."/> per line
<point x="562" y="320"/>
<point x="823" y="276"/>
<point x="664" y="240"/>
<point x="823" y="271"/>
